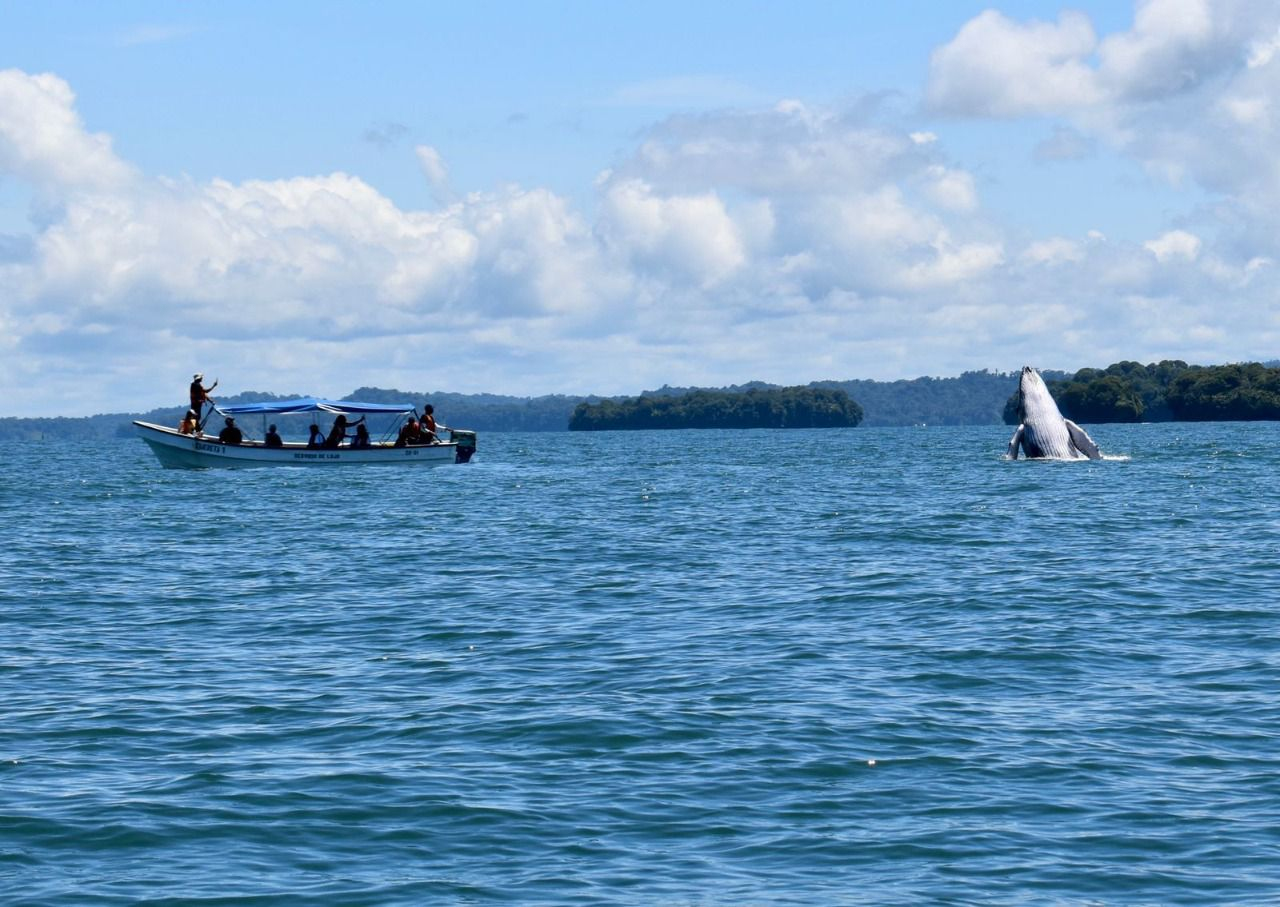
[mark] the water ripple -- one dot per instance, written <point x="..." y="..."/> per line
<point x="871" y="666"/>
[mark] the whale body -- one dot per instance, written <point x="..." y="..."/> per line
<point x="1043" y="432"/>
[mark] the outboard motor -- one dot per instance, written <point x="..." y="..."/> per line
<point x="466" y="441"/>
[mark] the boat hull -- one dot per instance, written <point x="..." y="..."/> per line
<point x="178" y="451"/>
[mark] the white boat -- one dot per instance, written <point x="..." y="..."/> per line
<point x="175" y="450"/>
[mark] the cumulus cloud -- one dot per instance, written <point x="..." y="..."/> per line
<point x="1173" y="45"/>
<point x="43" y="140"/>
<point x="1053" y="251"/>
<point x="953" y="189"/>
<point x="1174" y="244"/>
<point x="692" y="234"/>
<point x="1262" y="52"/>
<point x="792" y="148"/>
<point x="885" y="209"/>
<point x="998" y="67"/>
<point x="1187" y="91"/>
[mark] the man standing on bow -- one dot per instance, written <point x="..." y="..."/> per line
<point x="200" y="393"/>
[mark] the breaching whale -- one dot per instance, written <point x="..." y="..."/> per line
<point x="1044" y="433"/>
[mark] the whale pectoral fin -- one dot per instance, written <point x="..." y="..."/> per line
<point x="1013" y="444"/>
<point x="1080" y="438"/>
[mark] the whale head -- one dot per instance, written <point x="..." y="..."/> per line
<point x="1035" y="403"/>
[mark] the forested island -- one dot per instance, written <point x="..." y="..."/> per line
<point x="1165" y="391"/>
<point x="785" y="407"/>
<point x="1168" y="391"/>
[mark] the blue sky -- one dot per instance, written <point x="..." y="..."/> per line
<point x="585" y="198"/>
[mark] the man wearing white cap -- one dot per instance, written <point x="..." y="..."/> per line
<point x="200" y="393"/>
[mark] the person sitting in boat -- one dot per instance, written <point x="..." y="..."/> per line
<point x="231" y="434"/>
<point x="428" y="425"/>
<point x="361" y="440"/>
<point x="410" y="433"/>
<point x="273" y="438"/>
<point x="339" y="431"/>
<point x="190" y="423"/>
<point x="200" y="393"/>
<point x="316" y="438"/>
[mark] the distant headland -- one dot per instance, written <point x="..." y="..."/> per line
<point x="1170" y="390"/>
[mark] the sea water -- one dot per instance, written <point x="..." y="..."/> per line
<point x="865" y="666"/>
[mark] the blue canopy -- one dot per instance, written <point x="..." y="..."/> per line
<point x="313" y="405"/>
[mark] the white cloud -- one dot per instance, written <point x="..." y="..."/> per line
<point x="1263" y="52"/>
<point x="1054" y="251"/>
<point x="880" y="199"/>
<point x="1173" y="245"/>
<point x="953" y="263"/>
<point x="1252" y="111"/>
<point x="1234" y="274"/>
<point x="43" y="141"/>
<point x="952" y="189"/>
<point x="883" y="219"/>
<point x="536" y="258"/>
<point x="690" y="235"/>
<point x="791" y="149"/>
<point x="886" y="245"/>
<point x="434" y="169"/>
<point x="1173" y="45"/>
<point x="997" y="67"/>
